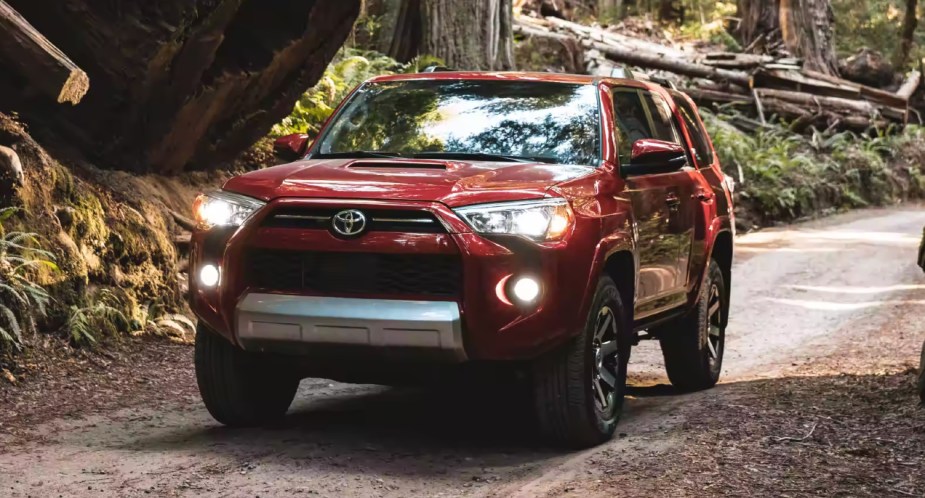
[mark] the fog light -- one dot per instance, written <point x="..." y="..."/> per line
<point x="209" y="275"/>
<point x="526" y="289"/>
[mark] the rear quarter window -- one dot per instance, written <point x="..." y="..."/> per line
<point x="699" y="137"/>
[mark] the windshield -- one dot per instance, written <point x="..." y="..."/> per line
<point x="510" y="120"/>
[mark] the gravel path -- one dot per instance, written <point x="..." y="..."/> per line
<point x="815" y="399"/>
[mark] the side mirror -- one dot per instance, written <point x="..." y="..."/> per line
<point x="291" y="147"/>
<point x="652" y="156"/>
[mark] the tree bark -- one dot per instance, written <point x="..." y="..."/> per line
<point x="38" y="61"/>
<point x="757" y="18"/>
<point x="184" y="83"/>
<point x="910" y="22"/>
<point x="465" y="34"/>
<point x="807" y="28"/>
<point x="400" y="37"/>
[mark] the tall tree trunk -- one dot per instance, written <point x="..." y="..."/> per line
<point x="808" y="30"/>
<point x="400" y="37"/>
<point x="182" y="83"/>
<point x="466" y="34"/>
<point x="757" y="18"/>
<point x="910" y="22"/>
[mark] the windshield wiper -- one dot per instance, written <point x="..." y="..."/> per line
<point x="482" y="156"/>
<point x="359" y="153"/>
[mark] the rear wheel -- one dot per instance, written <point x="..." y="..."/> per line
<point x="240" y="388"/>
<point x="693" y="346"/>
<point x="579" y="389"/>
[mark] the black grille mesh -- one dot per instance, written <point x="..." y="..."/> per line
<point x="354" y="273"/>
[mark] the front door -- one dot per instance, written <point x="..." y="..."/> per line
<point x="661" y="203"/>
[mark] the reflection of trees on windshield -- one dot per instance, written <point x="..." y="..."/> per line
<point x="381" y="119"/>
<point x="564" y="141"/>
<point x="552" y="120"/>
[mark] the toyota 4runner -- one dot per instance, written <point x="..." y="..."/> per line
<point x="459" y="218"/>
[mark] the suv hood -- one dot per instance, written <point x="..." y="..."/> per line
<point x="454" y="183"/>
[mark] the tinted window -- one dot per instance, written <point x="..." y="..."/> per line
<point x="632" y="120"/>
<point x="553" y="122"/>
<point x="661" y="118"/>
<point x="698" y="134"/>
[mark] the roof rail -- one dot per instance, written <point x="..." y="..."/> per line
<point x="622" y="72"/>
<point x="665" y="82"/>
<point x="435" y="69"/>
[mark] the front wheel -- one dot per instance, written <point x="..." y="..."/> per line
<point x="693" y="346"/>
<point x="579" y="389"/>
<point x="240" y="388"/>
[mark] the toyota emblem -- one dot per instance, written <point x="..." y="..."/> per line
<point x="349" y="223"/>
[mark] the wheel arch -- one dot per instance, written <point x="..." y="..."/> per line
<point x="621" y="268"/>
<point x="722" y="253"/>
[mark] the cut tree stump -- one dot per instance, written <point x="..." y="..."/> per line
<point x="38" y="61"/>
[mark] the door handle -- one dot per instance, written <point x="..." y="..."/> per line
<point x="704" y="195"/>
<point x="673" y="201"/>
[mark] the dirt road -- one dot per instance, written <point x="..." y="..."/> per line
<point x="816" y="399"/>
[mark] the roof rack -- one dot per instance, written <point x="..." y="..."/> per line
<point x="435" y="69"/>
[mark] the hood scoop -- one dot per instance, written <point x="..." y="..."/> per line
<point x="398" y="164"/>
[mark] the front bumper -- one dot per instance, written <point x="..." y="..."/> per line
<point x="476" y="324"/>
<point x="280" y="322"/>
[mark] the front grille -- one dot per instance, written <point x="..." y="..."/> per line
<point x="354" y="273"/>
<point x="380" y="220"/>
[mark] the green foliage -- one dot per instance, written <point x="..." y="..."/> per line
<point x="348" y="69"/>
<point x="874" y="24"/>
<point x="102" y="316"/>
<point x="782" y="176"/>
<point x="22" y="298"/>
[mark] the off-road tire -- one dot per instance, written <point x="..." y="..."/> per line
<point x="564" y="397"/>
<point x="240" y="389"/>
<point x="684" y="342"/>
<point x="921" y="383"/>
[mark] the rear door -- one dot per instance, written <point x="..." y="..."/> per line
<point x="655" y="199"/>
<point x="707" y="182"/>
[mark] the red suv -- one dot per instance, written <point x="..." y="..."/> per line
<point x="461" y="218"/>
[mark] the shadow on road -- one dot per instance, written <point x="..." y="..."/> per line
<point x="378" y="428"/>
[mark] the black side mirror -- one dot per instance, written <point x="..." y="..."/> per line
<point x="651" y="156"/>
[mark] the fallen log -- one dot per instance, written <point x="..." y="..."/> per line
<point x="863" y="91"/>
<point x="38" y="61"/>
<point x="678" y="66"/>
<point x="909" y="85"/>
<point x="819" y="101"/>
<point x="609" y="37"/>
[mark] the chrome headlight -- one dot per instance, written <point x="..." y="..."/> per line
<point x="222" y="208"/>
<point x="539" y="220"/>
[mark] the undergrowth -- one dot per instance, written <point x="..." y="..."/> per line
<point x="22" y="299"/>
<point x="782" y="176"/>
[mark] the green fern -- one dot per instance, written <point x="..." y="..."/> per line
<point x="22" y="299"/>
<point x="104" y="316"/>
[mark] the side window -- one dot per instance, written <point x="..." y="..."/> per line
<point x="661" y="118"/>
<point x="632" y="120"/>
<point x="698" y="134"/>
